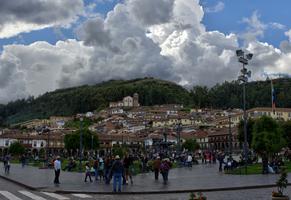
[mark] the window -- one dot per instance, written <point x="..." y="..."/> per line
<point x="6" y="142"/>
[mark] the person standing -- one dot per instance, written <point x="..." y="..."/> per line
<point x="7" y="164"/>
<point x="57" y="167"/>
<point x="101" y="169"/>
<point x="117" y="171"/>
<point x="107" y="166"/>
<point x="189" y="160"/>
<point x="128" y="167"/>
<point x="156" y="167"/>
<point x="23" y="160"/>
<point x="87" y="172"/>
<point x="220" y="159"/>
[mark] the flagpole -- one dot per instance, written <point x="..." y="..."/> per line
<point x="273" y="97"/>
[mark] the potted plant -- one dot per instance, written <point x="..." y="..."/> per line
<point x="281" y="185"/>
<point x="197" y="196"/>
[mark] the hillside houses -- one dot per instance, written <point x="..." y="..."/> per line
<point x="126" y="122"/>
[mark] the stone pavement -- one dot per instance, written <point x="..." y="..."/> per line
<point x="200" y="177"/>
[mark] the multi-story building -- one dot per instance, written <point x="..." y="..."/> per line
<point x="223" y="139"/>
<point x="34" y="142"/>
<point x="278" y="113"/>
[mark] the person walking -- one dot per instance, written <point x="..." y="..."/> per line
<point x="156" y="167"/>
<point x="87" y="172"/>
<point x="117" y="170"/>
<point x="131" y="169"/>
<point x="96" y="168"/>
<point x="128" y="168"/>
<point x="57" y="167"/>
<point x="165" y="168"/>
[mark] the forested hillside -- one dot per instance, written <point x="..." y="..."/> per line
<point x="229" y="94"/>
<point x="88" y="98"/>
<point x="151" y="92"/>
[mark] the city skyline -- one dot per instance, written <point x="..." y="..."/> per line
<point x="47" y="45"/>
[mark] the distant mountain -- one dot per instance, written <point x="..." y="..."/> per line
<point x="151" y="92"/>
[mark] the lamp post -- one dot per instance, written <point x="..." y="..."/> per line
<point x="92" y="137"/>
<point x="165" y="140"/>
<point x="81" y="146"/>
<point x="230" y="135"/>
<point x="178" y="130"/>
<point x="245" y="74"/>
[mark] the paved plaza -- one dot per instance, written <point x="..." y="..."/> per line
<point x="144" y="188"/>
<point x="199" y="177"/>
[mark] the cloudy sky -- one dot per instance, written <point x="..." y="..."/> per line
<point x="51" y="44"/>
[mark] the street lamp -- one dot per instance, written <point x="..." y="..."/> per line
<point x="81" y="145"/>
<point x="165" y="140"/>
<point x="178" y="130"/>
<point x="245" y="74"/>
<point x="230" y="135"/>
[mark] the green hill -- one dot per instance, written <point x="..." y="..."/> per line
<point x="88" y="98"/>
<point x="151" y="92"/>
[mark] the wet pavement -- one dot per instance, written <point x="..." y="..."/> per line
<point x="198" y="177"/>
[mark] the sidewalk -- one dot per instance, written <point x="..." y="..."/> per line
<point x="200" y="177"/>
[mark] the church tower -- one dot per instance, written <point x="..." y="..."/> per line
<point x="135" y="100"/>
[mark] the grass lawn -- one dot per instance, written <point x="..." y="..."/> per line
<point x="253" y="169"/>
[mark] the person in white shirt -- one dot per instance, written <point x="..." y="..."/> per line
<point x="57" y="167"/>
<point x="189" y="160"/>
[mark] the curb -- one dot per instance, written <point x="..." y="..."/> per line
<point x="19" y="183"/>
<point x="169" y="191"/>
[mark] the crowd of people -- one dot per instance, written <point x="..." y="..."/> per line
<point x="120" y="170"/>
<point x="113" y="168"/>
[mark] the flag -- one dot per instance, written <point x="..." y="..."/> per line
<point x="273" y="97"/>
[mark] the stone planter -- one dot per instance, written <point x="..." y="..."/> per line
<point x="280" y="198"/>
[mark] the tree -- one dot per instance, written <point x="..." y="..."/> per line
<point x="267" y="136"/>
<point x="72" y="141"/>
<point x="191" y="145"/>
<point x="250" y="127"/>
<point x="16" y="148"/>
<point x="200" y="96"/>
<point x="119" y="150"/>
<point x="286" y="127"/>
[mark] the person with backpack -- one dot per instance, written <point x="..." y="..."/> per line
<point x="117" y="171"/>
<point x="165" y="168"/>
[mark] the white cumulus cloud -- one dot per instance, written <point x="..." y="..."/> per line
<point x="28" y="15"/>
<point x="172" y="43"/>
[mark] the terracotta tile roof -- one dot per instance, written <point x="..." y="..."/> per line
<point x="269" y="109"/>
